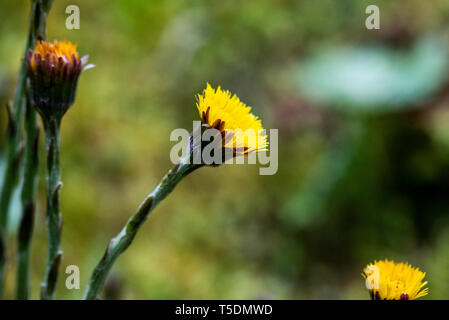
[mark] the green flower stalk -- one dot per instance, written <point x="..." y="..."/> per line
<point x="28" y="202"/>
<point x="53" y="71"/>
<point x="122" y="241"/>
<point x="39" y="11"/>
<point x="53" y="216"/>
<point x="218" y="110"/>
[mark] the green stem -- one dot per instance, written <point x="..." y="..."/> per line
<point x="123" y="240"/>
<point x="39" y="10"/>
<point x="53" y="217"/>
<point x="28" y="202"/>
<point x="2" y="258"/>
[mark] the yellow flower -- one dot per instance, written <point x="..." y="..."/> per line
<point x="241" y="130"/>
<point x="388" y="280"/>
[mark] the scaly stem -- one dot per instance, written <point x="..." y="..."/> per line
<point x="39" y="10"/>
<point x="123" y="240"/>
<point x="53" y="217"/>
<point x="28" y="202"/>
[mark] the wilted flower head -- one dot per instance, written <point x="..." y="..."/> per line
<point x="387" y="280"/>
<point x="241" y="130"/>
<point x="53" y="71"/>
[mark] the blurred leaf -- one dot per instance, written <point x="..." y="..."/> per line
<point x="306" y="206"/>
<point x="15" y="210"/>
<point x="2" y="169"/>
<point x="374" y="79"/>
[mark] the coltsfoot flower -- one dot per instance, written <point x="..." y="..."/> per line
<point x="53" y="71"/>
<point x="387" y="280"/>
<point x="218" y="110"/>
<point x="241" y="130"/>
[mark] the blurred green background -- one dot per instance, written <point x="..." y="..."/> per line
<point x="363" y="119"/>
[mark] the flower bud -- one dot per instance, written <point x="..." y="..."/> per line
<point x="53" y="71"/>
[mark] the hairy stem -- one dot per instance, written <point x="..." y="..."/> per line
<point x="28" y="202"/>
<point x="39" y="11"/>
<point x="123" y="240"/>
<point x="53" y="217"/>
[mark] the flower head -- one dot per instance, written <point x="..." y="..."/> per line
<point x="53" y="71"/>
<point x="241" y="130"/>
<point x="388" y="280"/>
<point x="51" y="52"/>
